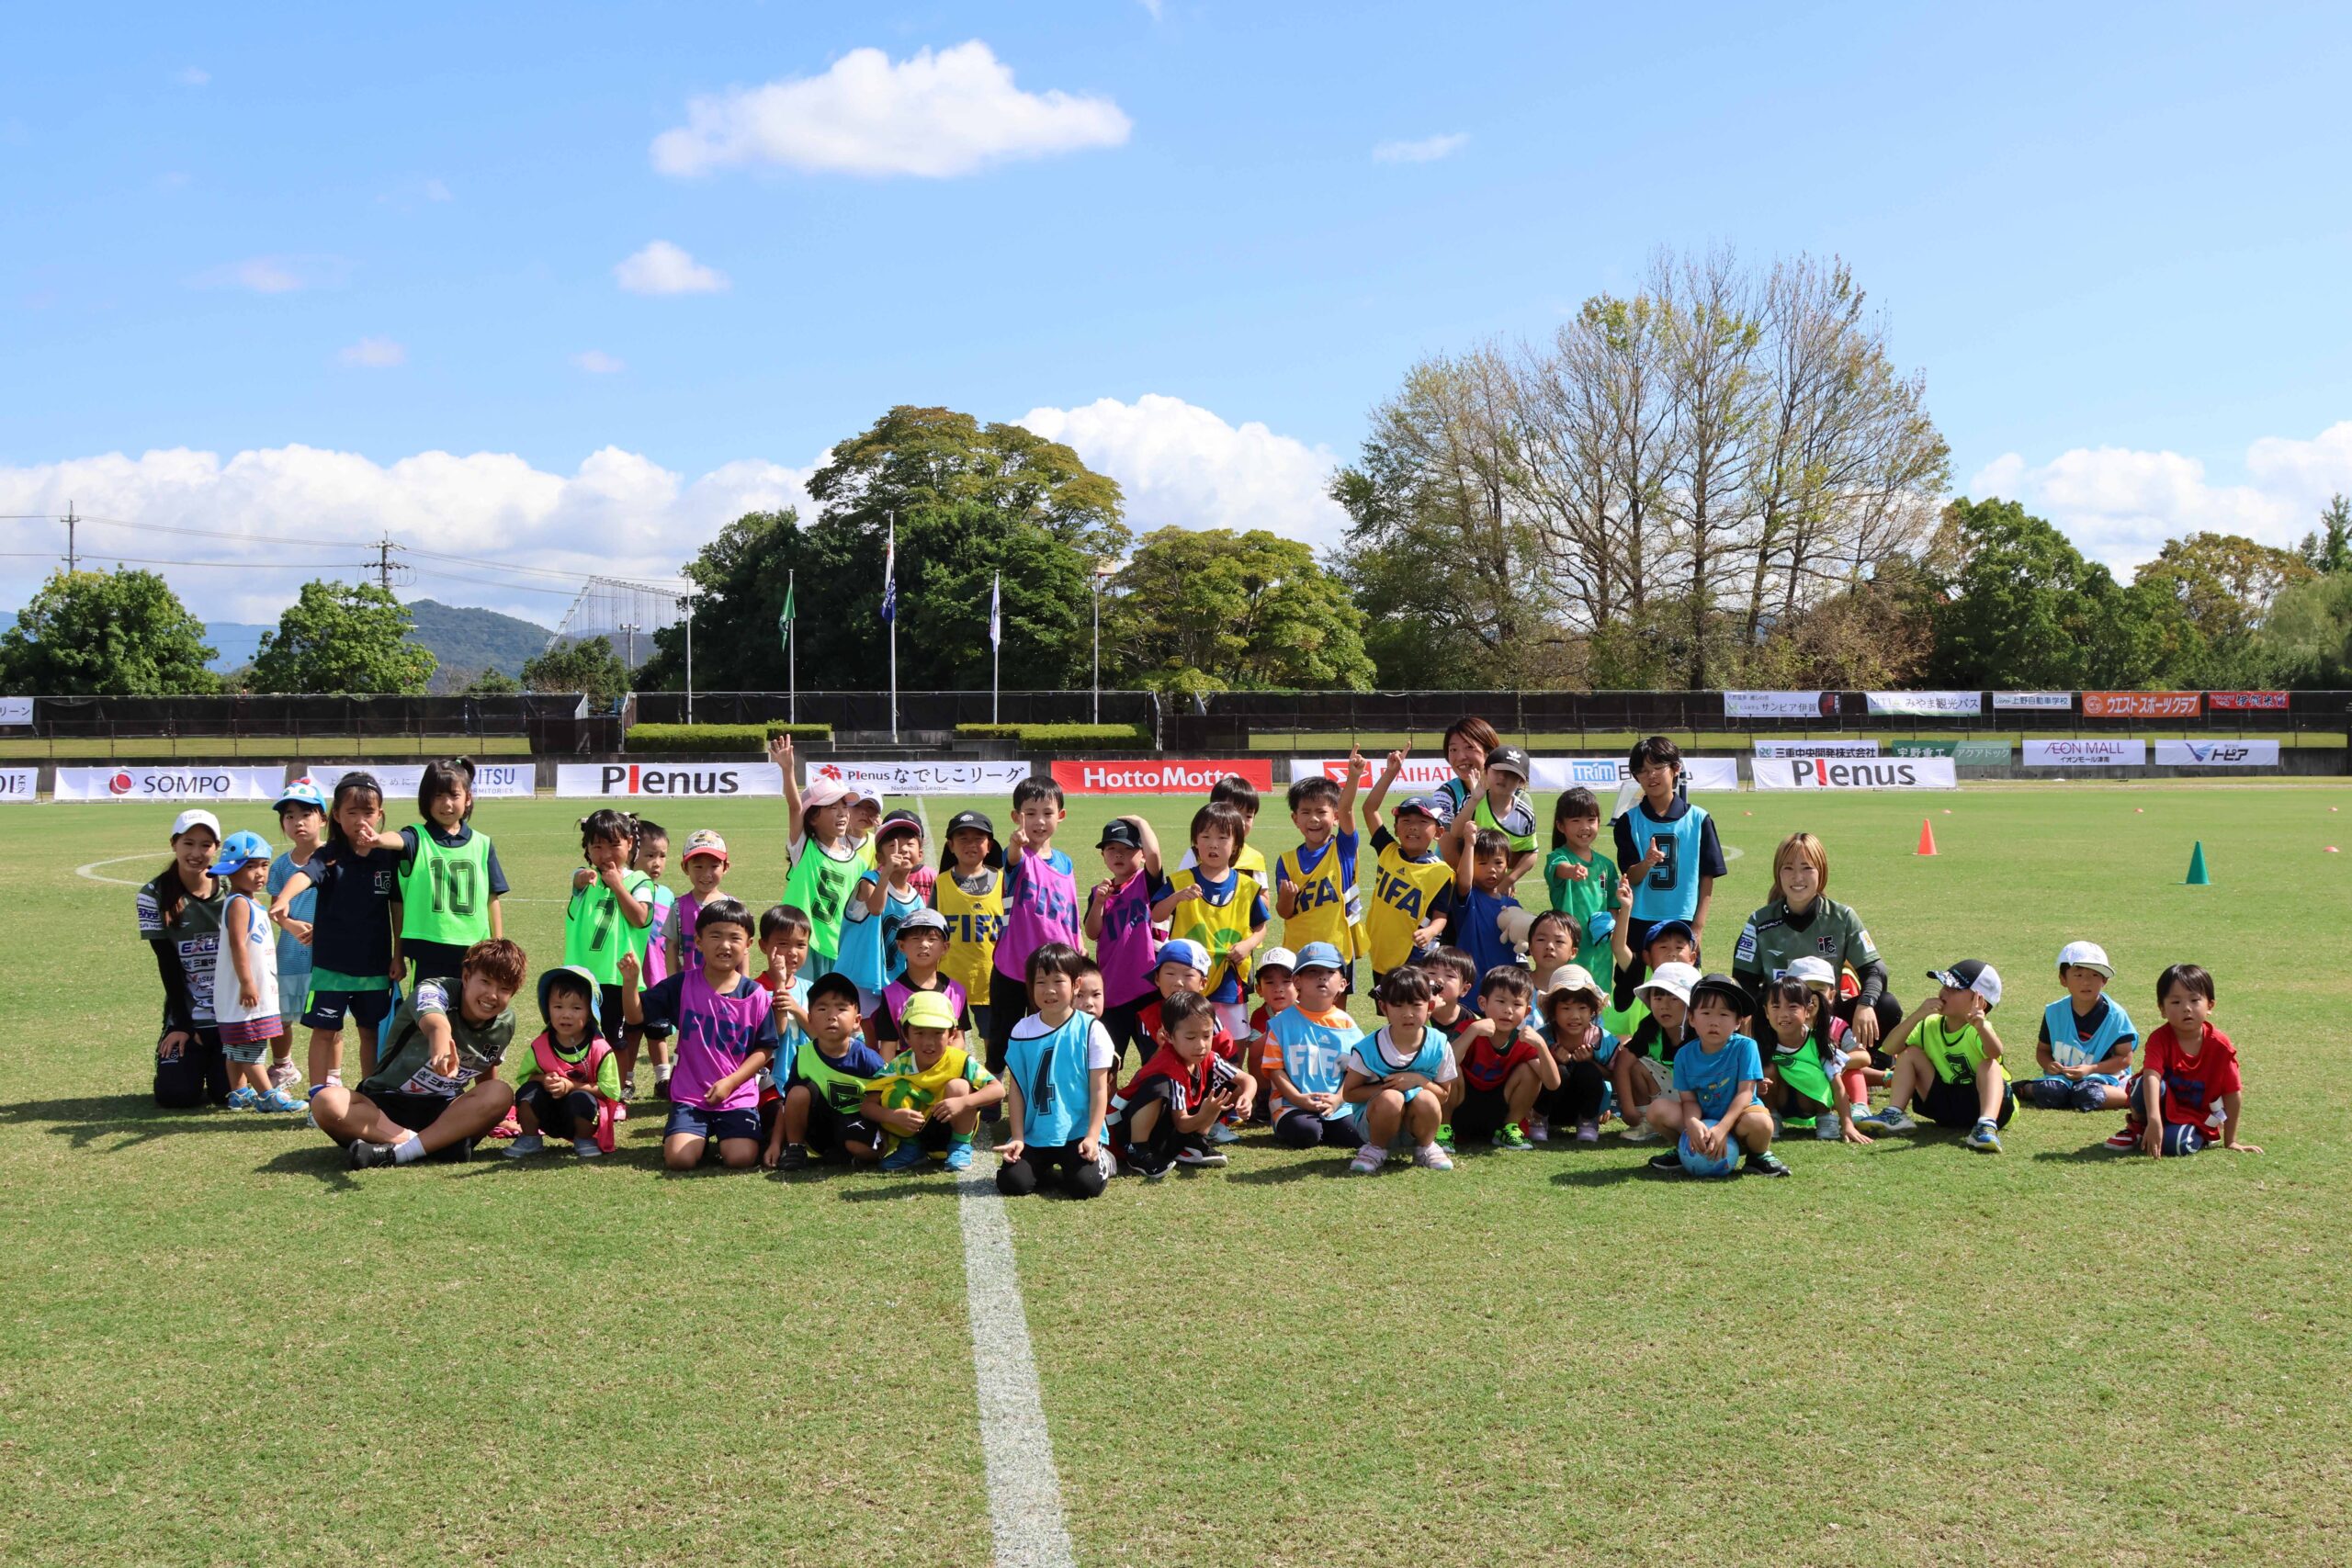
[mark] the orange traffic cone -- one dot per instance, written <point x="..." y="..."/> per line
<point x="1926" y="837"/>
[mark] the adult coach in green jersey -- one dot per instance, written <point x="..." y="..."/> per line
<point x="1801" y="920"/>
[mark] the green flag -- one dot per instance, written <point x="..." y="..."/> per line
<point x="784" y="621"/>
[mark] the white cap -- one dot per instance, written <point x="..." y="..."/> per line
<point x="2087" y="955"/>
<point x="1571" y="978"/>
<point x="1674" y="979"/>
<point x="1812" y="971"/>
<point x="1276" y="958"/>
<point x="195" y="816"/>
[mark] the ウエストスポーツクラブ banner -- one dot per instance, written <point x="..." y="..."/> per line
<point x="177" y="781"/>
<point x="1858" y="772"/>
<point x="2142" y="704"/>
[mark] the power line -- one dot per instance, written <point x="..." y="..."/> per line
<point x="235" y="565"/>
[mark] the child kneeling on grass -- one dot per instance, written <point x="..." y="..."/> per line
<point x="1505" y="1066"/>
<point x="827" y="1080"/>
<point x="1162" y="1118"/>
<point x="2187" y="1096"/>
<point x="725" y="1025"/>
<point x="1056" y="1085"/>
<point x="1397" y="1078"/>
<point x="570" y="1085"/>
<point x="928" y="1098"/>
<point x="1947" y="1065"/>
<point x="1716" y="1078"/>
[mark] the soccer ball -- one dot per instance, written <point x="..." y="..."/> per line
<point x="1697" y="1164"/>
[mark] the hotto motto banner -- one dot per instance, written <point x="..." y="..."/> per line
<point x="1154" y="777"/>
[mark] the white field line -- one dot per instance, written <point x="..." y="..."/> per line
<point x="1024" y="1489"/>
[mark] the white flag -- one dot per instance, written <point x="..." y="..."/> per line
<point x="996" y="612"/>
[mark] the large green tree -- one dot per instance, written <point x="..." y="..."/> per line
<point x="113" y="633"/>
<point x="1209" y="609"/>
<point x="345" y="638"/>
<point x="592" y="665"/>
<point x="2025" y="610"/>
<point x="2308" y="637"/>
<point x="2330" y="548"/>
<point x="968" y="501"/>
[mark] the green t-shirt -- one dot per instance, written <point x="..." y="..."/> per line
<point x="595" y="932"/>
<point x="819" y="886"/>
<point x="1581" y="900"/>
<point x="406" y="1069"/>
<point x="1957" y="1055"/>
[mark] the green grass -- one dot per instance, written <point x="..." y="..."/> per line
<point x="225" y="1347"/>
<point x="212" y="748"/>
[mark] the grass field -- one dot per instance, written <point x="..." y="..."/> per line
<point x="226" y="1348"/>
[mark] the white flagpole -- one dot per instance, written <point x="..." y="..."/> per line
<point x="792" y="653"/>
<point x="996" y="644"/>
<point x="890" y="581"/>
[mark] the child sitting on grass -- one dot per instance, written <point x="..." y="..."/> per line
<point x="1305" y="1046"/>
<point x="1162" y="1118"/>
<point x="1804" y="1086"/>
<point x="928" y="1098"/>
<point x="1395" y="1079"/>
<point x="1948" y="1067"/>
<point x="2187" y="1095"/>
<point x="827" y="1073"/>
<point x="2084" y="1046"/>
<point x="1716" y="1076"/>
<point x="569" y="1084"/>
<point x="1504" y="1065"/>
<point x="1056" y="1086"/>
<point x="725" y="1024"/>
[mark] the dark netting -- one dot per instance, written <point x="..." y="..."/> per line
<point x="869" y="712"/>
<point x="295" y="716"/>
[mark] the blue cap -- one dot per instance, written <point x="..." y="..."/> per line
<point x="301" y="792"/>
<point x="241" y="849"/>
<point x="1184" y="951"/>
<point x="1598" y="925"/>
<point x="1669" y="928"/>
<point x="1436" y="808"/>
<point x="1319" y="955"/>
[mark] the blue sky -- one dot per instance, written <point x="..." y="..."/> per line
<point x="322" y="250"/>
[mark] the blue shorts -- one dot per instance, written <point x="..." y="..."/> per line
<point x="698" y="1122"/>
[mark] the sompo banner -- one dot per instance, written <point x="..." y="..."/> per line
<point x="1926" y="704"/>
<point x="1817" y="748"/>
<point x="492" y="781"/>
<point x="924" y="778"/>
<point x="2216" y="753"/>
<point x="1833" y="772"/>
<point x="179" y="780"/>
<point x="2085" y="752"/>
<point x="1160" y="777"/>
<point x="1779" y="705"/>
<point x="18" y="784"/>
<point x="2141" y="704"/>
<point x="596" y="781"/>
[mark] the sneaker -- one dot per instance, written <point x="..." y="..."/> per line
<point x="285" y="1074"/>
<point x="1587" y="1132"/>
<point x="1765" y="1164"/>
<point x="2128" y="1139"/>
<point x="587" y="1148"/>
<point x="1986" y="1138"/>
<point x="508" y="1128"/>
<point x="908" y="1156"/>
<point x="242" y="1098"/>
<point x="628" y="1086"/>
<point x="365" y="1155"/>
<point x="277" y="1099"/>
<point x="1826" y="1130"/>
<point x="1221" y="1134"/>
<point x="661" y="1088"/>
<point x="1538" y="1130"/>
<point x="1641" y="1133"/>
<point x="1433" y="1156"/>
<point x="1158" y="1175"/>
<point x="959" y="1154"/>
<point x="1446" y="1137"/>
<point x="620" y="1111"/>
<point x="1891" y="1119"/>
<point x="1509" y="1136"/>
<point x="1108" y="1164"/>
<point x="794" y="1157"/>
<point x="1195" y="1158"/>
<point x="1670" y="1161"/>
<point x="527" y="1146"/>
<point x="1368" y="1160"/>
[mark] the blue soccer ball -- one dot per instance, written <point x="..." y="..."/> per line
<point x="1696" y="1164"/>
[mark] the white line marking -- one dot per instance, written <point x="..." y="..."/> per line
<point x="91" y="870"/>
<point x="1024" y="1490"/>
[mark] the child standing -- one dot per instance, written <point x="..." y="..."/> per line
<point x="1118" y="921"/>
<point x="825" y="866"/>
<point x="1506" y="1067"/>
<point x="1040" y="906"/>
<point x="725" y="1024"/>
<point x="569" y="1087"/>
<point x="1315" y="883"/>
<point x="1481" y="869"/>
<point x="2187" y="1095"/>
<point x="651" y="859"/>
<point x="1162" y="1118"/>
<point x="885" y="895"/>
<point x="929" y="1097"/>
<point x="1412" y="885"/>
<point x="1395" y="1079"/>
<point x="611" y="916"/>
<point x="2085" y="1047"/>
<point x="1948" y="1067"/>
<point x="1301" y="1057"/>
<point x="1667" y="846"/>
<point x="969" y="894"/>
<point x="830" y="1071"/>
<point x="1716" y="1078"/>
<point x="1581" y="880"/>
<point x="302" y="816"/>
<point x="922" y="942"/>
<point x="1242" y="796"/>
<point x="244" y="978"/>
<point x="1221" y="906"/>
<point x="450" y="881"/>
<point x="1057" y="1087"/>
<point x="355" y="965"/>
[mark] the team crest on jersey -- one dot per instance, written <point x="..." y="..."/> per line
<point x="1825" y="945"/>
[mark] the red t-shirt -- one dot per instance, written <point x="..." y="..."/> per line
<point x="1147" y="1020"/>
<point x="1484" y="1065"/>
<point x="2193" y="1084"/>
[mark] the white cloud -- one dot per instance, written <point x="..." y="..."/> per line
<point x="596" y="361"/>
<point x="1152" y="6"/>
<point x="619" y="513"/>
<point x="662" y="268"/>
<point x="1182" y="465"/>
<point x="1427" y="149"/>
<point x="374" y="353"/>
<point x="275" y="274"/>
<point x="2119" y="505"/>
<point x="193" y="77"/>
<point x="933" y="114"/>
<point x="435" y="190"/>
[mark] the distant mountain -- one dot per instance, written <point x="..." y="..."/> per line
<point x="623" y="643"/>
<point x="464" y="639"/>
<point x="235" y="643"/>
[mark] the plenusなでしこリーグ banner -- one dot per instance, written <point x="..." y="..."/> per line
<point x="1552" y="774"/>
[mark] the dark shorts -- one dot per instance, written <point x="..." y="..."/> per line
<point x="432" y="960"/>
<point x="416" y="1113"/>
<point x="1481" y="1113"/>
<point x="698" y="1122"/>
<point x="830" y="1132"/>
<point x="1298" y="1128"/>
<point x="198" y="1076"/>
<point x="1798" y="1107"/>
<point x="327" y="1009"/>
<point x="1954" y="1104"/>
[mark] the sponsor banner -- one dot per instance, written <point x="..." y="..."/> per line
<point x="1421" y="776"/>
<point x="2035" y="702"/>
<point x="17" y="783"/>
<point x="923" y="778"/>
<point x="594" y="781"/>
<point x="1864" y="773"/>
<point x="1966" y="754"/>
<point x="2141" y="704"/>
<point x="1779" y="705"/>
<point x="1151" y="777"/>
<point x="492" y="781"/>
<point x="2086" y="751"/>
<point x="1926" y="704"/>
<point x="1817" y="748"/>
<point x="19" y="710"/>
<point x="177" y="781"/>
<point x="2216" y="753"/>
<point x="2226" y="701"/>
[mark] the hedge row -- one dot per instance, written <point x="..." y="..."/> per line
<point x="1059" y="737"/>
<point x="717" y="740"/>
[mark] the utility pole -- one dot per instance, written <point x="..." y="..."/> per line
<point x="384" y="562"/>
<point x="70" y="562"/>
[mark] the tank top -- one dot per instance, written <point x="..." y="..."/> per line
<point x="596" y="933"/>
<point x="445" y="890"/>
<point x="842" y="1091"/>
<point x="1322" y="890"/>
<point x="975" y="920"/>
<point x="1216" y="927"/>
<point x="820" y="888"/>
<point x="1126" y="950"/>
<point x="1040" y="906"/>
<point x="260" y="943"/>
